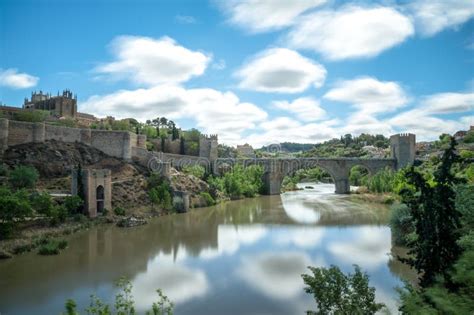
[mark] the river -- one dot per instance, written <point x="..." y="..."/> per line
<point x="239" y="257"/>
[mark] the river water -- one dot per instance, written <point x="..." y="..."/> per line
<point x="240" y="257"/>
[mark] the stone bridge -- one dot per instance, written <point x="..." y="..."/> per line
<point x="276" y="169"/>
<point x="402" y="148"/>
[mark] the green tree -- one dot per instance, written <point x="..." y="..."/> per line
<point x="23" y="177"/>
<point x="14" y="208"/>
<point x="338" y="293"/>
<point x="32" y="115"/>
<point x="434" y="249"/>
<point x="195" y="170"/>
<point x="182" y="149"/>
<point x="73" y="204"/>
<point x="42" y="203"/>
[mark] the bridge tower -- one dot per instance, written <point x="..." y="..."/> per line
<point x="402" y="147"/>
<point x="208" y="147"/>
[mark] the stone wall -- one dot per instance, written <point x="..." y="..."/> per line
<point x="114" y="143"/>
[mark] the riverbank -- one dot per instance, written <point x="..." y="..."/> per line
<point x="382" y="198"/>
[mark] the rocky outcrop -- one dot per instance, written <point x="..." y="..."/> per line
<point x="191" y="184"/>
<point x="131" y="222"/>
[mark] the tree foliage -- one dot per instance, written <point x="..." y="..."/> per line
<point x="124" y="303"/>
<point x="14" y="208"/>
<point x="338" y="293"/>
<point x="434" y="249"/>
<point x="23" y="177"/>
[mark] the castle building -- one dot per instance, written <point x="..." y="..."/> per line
<point x="64" y="105"/>
<point x="246" y="151"/>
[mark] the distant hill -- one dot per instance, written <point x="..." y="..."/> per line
<point x="291" y="147"/>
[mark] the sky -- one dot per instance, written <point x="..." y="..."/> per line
<point x="251" y="71"/>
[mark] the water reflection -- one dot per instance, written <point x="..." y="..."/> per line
<point x="181" y="283"/>
<point x="277" y="275"/>
<point x="242" y="257"/>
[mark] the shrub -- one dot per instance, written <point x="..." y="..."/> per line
<point x="32" y="115"/>
<point x="3" y="170"/>
<point x="337" y="293"/>
<point x="358" y="175"/>
<point x="467" y="154"/>
<point x="124" y="303"/>
<point x="469" y="138"/>
<point x="42" y="203"/>
<point x="401" y="223"/>
<point x="208" y="198"/>
<point x="52" y="247"/>
<point x="58" y="215"/>
<point x="14" y="208"/>
<point x="119" y="211"/>
<point x="23" y="177"/>
<point x="161" y="195"/>
<point x="195" y="170"/>
<point x="73" y="204"/>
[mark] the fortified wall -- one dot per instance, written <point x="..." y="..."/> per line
<point x="114" y="143"/>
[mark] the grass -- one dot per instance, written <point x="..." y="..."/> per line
<point x="52" y="247"/>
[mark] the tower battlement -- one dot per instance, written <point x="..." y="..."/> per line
<point x="403" y="148"/>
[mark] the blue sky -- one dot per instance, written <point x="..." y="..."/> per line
<point x="250" y="70"/>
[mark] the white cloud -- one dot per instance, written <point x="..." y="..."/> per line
<point x="277" y="275"/>
<point x="302" y="237"/>
<point x="305" y="108"/>
<point x="433" y="16"/>
<point x="425" y="126"/>
<point x="281" y="70"/>
<point x="369" y="94"/>
<point x="179" y="282"/>
<point x="202" y="105"/>
<point x="12" y="79"/>
<point x="285" y="129"/>
<point x="369" y="248"/>
<point x="444" y="103"/>
<point x="351" y="31"/>
<point x="361" y="122"/>
<point x="260" y="16"/>
<point x="185" y="19"/>
<point x="230" y="238"/>
<point x="150" y="61"/>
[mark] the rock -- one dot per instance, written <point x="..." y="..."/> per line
<point x="308" y="187"/>
<point x="131" y="222"/>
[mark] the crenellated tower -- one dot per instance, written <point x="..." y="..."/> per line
<point x="403" y="149"/>
<point x="208" y="147"/>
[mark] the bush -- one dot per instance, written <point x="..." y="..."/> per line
<point x="208" y="198"/>
<point x="119" y="211"/>
<point x="3" y="170"/>
<point x="467" y="154"/>
<point x="243" y="182"/>
<point x="73" y="204"/>
<point x="14" y="208"/>
<point x="52" y="247"/>
<point x="195" y="170"/>
<point x="32" y="115"/>
<point x="58" y="215"/>
<point x="161" y="195"/>
<point x="469" y="138"/>
<point x="42" y="203"/>
<point x="401" y="223"/>
<point x="124" y="303"/>
<point x="23" y="177"/>
<point x="358" y="175"/>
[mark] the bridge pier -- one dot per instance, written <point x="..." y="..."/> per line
<point x="272" y="182"/>
<point x="342" y="186"/>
